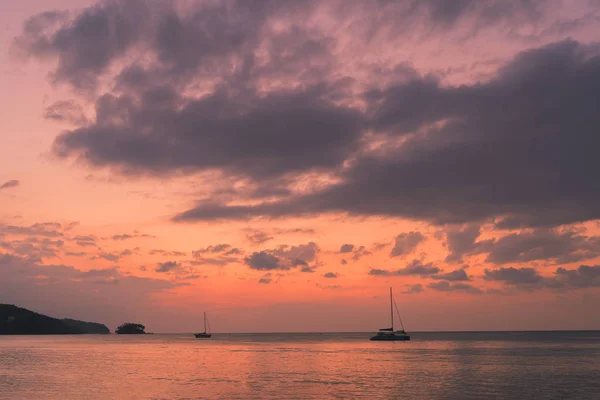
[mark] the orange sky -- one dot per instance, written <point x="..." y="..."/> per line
<point x="82" y="266"/>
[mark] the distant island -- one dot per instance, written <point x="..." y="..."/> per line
<point x="20" y="321"/>
<point x="130" y="328"/>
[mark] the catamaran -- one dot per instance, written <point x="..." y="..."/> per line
<point x="389" y="333"/>
<point x="206" y="334"/>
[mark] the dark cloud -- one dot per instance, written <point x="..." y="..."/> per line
<point x="462" y="242"/>
<point x="444" y="14"/>
<point x="360" y="252"/>
<point x="513" y="276"/>
<point x="265" y="280"/>
<point x="415" y="267"/>
<point x="297" y="262"/>
<point x="583" y="277"/>
<point x="167" y="253"/>
<point x="220" y="261"/>
<point x="283" y="257"/>
<point x="303" y="231"/>
<point x="115" y="256"/>
<point x="220" y="254"/>
<point x="445" y="286"/>
<point x="84" y="243"/>
<point x="559" y="246"/>
<point x="347" y="248"/>
<point x="85" y="238"/>
<point x="76" y="253"/>
<point x="87" y="45"/>
<point x="10" y="184"/>
<point x="47" y="229"/>
<point x="219" y="248"/>
<point x="126" y="236"/>
<point x="405" y="243"/>
<point x="456" y="275"/>
<point x="344" y="262"/>
<point x="325" y="287"/>
<point x="413" y="289"/>
<point x="518" y="147"/>
<point x="515" y="148"/>
<point x="305" y="252"/>
<point x="330" y="275"/>
<point x="262" y="137"/>
<point x="167" y="266"/>
<point x="258" y="237"/>
<point x="66" y="111"/>
<point x="106" y="272"/>
<point x="263" y="261"/>
<point x="307" y="269"/>
<point x="33" y="248"/>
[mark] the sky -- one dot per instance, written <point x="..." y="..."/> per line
<point x="281" y="164"/>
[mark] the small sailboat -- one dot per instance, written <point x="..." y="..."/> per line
<point x="206" y="334"/>
<point x="389" y="333"/>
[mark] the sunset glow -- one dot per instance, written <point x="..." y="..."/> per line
<point x="280" y="165"/>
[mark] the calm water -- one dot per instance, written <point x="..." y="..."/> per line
<point x="532" y="365"/>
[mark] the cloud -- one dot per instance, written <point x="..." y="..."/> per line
<point x="220" y="261"/>
<point x="360" y="252"/>
<point x="103" y="295"/>
<point x="222" y="254"/>
<point x="114" y="256"/>
<point x="265" y="281"/>
<point x="167" y="253"/>
<point x="284" y="257"/>
<point x="258" y="237"/>
<point x="66" y="111"/>
<point x="462" y="242"/>
<point x="330" y="275"/>
<point x="413" y="289"/>
<point x="559" y="246"/>
<point x="306" y="252"/>
<point x="262" y="261"/>
<point x="10" y="184"/>
<point x="347" y="248"/>
<point x="302" y="231"/>
<point x="415" y="267"/>
<point x="167" y="266"/>
<point x="459" y="140"/>
<point x="405" y="243"/>
<point x="307" y="269"/>
<point x="76" y="253"/>
<point x="47" y="229"/>
<point x="219" y="248"/>
<point x="513" y="276"/>
<point x="106" y="272"/>
<point x="445" y="286"/>
<point x="584" y="276"/>
<point x="456" y="275"/>
<point x="33" y="248"/>
<point x="126" y="236"/>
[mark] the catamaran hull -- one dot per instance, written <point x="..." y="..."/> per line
<point x="390" y="338"/>
<point x="202" y="335"/>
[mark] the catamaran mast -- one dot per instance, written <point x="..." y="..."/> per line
<point x="391" y="309"/>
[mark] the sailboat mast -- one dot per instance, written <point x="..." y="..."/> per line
<point x="204" y="321"/>
<point x="391" y="309"/>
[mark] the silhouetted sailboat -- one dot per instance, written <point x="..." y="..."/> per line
<point x="206" y="334"/>
<point x="389" y="333"/>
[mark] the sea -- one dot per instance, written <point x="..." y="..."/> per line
<point x="441" y="365"/>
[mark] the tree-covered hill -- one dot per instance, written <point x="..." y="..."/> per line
<point x="20" y="321"/>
